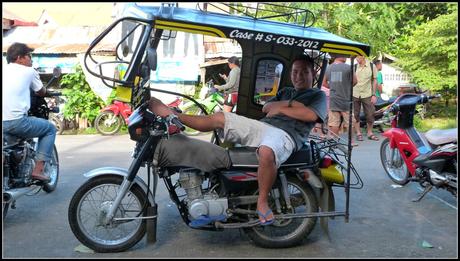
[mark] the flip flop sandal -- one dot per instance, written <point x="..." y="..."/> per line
<point x="373" y="137"/>
<point x="264" y="216"/>
<point x="359" y="137"/>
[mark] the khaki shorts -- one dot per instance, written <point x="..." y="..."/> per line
<point x="335" y="118"/>
<point x="253" y="133"/>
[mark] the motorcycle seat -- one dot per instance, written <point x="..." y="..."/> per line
<point x="438" y="137"/>
<point x="10" y="140"/>
<point x="247" y="157"/>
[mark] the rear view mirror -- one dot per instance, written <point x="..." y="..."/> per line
<point x="57" y="72"/>
<point x="152" y="58"/>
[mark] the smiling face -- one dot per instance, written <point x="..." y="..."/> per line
<point x="302" y="75"/>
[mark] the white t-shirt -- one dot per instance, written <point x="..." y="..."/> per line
<point x="17" y="80"/>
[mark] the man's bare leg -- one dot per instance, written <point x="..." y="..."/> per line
<point x="198" y="122"/>
<point x="266" y="175"/>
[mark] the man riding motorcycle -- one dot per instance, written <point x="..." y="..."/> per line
<point x="290" y="117"/>
<point x="18" y="78"/>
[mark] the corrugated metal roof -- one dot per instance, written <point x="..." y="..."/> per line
<point x="51" y="40"/>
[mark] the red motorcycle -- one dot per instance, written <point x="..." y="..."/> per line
<point x="113" y="116"/>
<point x="407" y="155"/>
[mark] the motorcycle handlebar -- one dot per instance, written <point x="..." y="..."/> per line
<point x="172" y="118"/>
<point x="52" y="94"/>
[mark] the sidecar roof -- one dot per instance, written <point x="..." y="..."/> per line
<point x="245" y="29"/>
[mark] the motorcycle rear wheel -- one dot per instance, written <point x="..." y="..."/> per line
<point x="288" y="232"/>
<point x="398" y="171"/>
<point x="87" y="209"/>
<point x="107" y="123"/>
<point x="52" y="171"/>
<point x="6" y="206"/>
<point x="57" y="123"/>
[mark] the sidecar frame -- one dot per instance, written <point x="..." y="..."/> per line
<point x="259" y="39"/>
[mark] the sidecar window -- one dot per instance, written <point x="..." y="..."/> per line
<point x="268" y="78"/>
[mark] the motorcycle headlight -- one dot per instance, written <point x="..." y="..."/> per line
<point x="136" y="127"/>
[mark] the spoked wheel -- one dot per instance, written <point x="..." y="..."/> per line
<point x="88" y="209"/>
<point x="288" y="232"/>
<point x="395" y="168"/>
<point x="192" y="110"/>
<point x="52" y="171"/>
<point x="57" y="123"/>
<point x="6" y="206"/>
<point x="107" y="123"/>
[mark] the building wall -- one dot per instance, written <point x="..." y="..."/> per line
<point x="393" y="78"/>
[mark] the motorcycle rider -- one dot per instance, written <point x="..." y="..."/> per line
<point x="290" y="116"/>
<point x="18" y="78"/>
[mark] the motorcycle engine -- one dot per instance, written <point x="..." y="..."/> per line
<point x="200" y="205"/>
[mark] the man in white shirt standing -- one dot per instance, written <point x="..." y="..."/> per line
<point x="18" y="78"/>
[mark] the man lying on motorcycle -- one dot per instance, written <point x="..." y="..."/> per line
<point x="18" y="78"/>
<point x="290" y="116"/>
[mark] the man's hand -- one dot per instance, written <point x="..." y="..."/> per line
<point x="159" y="108"/>
<point x="373" y="99"/>
<point x="223" y="76"/>
<point x="274" y="107"/>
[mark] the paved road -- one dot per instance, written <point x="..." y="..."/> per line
<point x="383" y="220"/>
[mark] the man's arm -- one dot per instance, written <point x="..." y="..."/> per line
<point x="41" y="92"/>
<point x="297" y="111"/>
<point x="325" y="83"/>
<point x="231" y="81"/>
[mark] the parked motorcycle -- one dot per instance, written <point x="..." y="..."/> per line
<point x="109" y="212"/>
<point x="407" y="155"/>
<point x="210" y="98"/>
<point x="381" y="119"/>
<point x="19" y="158"/>
<point x="112" y="117"/>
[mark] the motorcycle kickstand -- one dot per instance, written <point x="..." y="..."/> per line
<point x="428" y="188"/>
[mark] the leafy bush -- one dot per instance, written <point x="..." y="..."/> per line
<point x="81" y="102"/>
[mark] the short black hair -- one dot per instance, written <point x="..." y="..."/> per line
<point x="376" y="62"/>
<point x="17" y="50"/>
<point x="234" y="60"/>
<point x="302" y="57"/>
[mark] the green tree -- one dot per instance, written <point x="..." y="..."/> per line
<point x="429" y="54"/>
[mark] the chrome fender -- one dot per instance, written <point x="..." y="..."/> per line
<point x="120" y="172"/>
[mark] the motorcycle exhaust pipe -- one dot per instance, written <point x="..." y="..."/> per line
<point x="13" y="194"/>
<point x="437" y="179"/>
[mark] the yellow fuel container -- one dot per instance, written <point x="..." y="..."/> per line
<point x="332" y="174"/>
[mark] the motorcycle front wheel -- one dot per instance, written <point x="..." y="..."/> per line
<point x="107" y="123"/>
<point x="396" y="169"/>
<point x="88" y="209"/>
<point x="288" y="232"/>
<point x="52" y="171"/>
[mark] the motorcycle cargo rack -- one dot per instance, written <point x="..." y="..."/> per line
<point x="265" y="10"/>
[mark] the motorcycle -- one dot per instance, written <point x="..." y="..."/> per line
<point x="19" y="158"/>
<point x="406" y="155"/>
<point x="381" y="119"/>
<point x="212" y="100"/>
<point x="112" y="117"/>
<point x="222" y="199"/>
